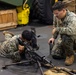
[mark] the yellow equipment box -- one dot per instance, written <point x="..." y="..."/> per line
<point x="23" y="14"/>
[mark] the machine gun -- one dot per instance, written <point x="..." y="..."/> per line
<point x="33" y="57"/>
<point x="38" y="58"/>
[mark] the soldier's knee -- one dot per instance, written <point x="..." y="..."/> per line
<point x="66" y="39"/>
<point x="56" y="54"/>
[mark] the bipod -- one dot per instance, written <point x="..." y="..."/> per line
<point x="39" y="66"/>
<point x="16" y="63"/>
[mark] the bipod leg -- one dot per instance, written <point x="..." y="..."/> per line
<point x="39" y="65"/>
<point x="21" y="62"/>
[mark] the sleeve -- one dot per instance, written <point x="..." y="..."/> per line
<point x="70" y="29"/>
<point x="55" y="35"/>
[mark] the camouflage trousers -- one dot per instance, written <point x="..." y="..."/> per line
<point x="64" y="47"/>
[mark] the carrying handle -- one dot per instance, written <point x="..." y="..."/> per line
<point x="24" y="3"/>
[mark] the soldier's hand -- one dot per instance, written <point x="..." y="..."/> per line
<point x="21" y="48"/>
<point x="53" y="31"/>
<point x="51" y="40"/>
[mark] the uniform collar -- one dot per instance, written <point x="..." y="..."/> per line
<point x="67" y="13"/>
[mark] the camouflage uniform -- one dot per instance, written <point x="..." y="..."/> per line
<point x="9" y="48"/>
<point x="67" y="31"/>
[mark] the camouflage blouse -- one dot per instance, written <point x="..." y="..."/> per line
<point x="68" y="25"/>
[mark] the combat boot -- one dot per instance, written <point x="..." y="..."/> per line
<point x="69" y="60"/>
<point x="8" y="32"/>
<point x="8" y="35"/>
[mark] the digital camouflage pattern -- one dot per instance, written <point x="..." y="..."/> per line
<point x="9" y="48"/>
<point x="67" y="30"/>
<point x="68" y="25"/>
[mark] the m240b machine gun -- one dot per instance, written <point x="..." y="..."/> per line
<point x="33" y="57"/>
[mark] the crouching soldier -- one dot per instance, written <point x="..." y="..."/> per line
<point x="67" y="32"/>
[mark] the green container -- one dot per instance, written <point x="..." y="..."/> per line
<point x="17" y="2"/>
<point x="13" y="2"/>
